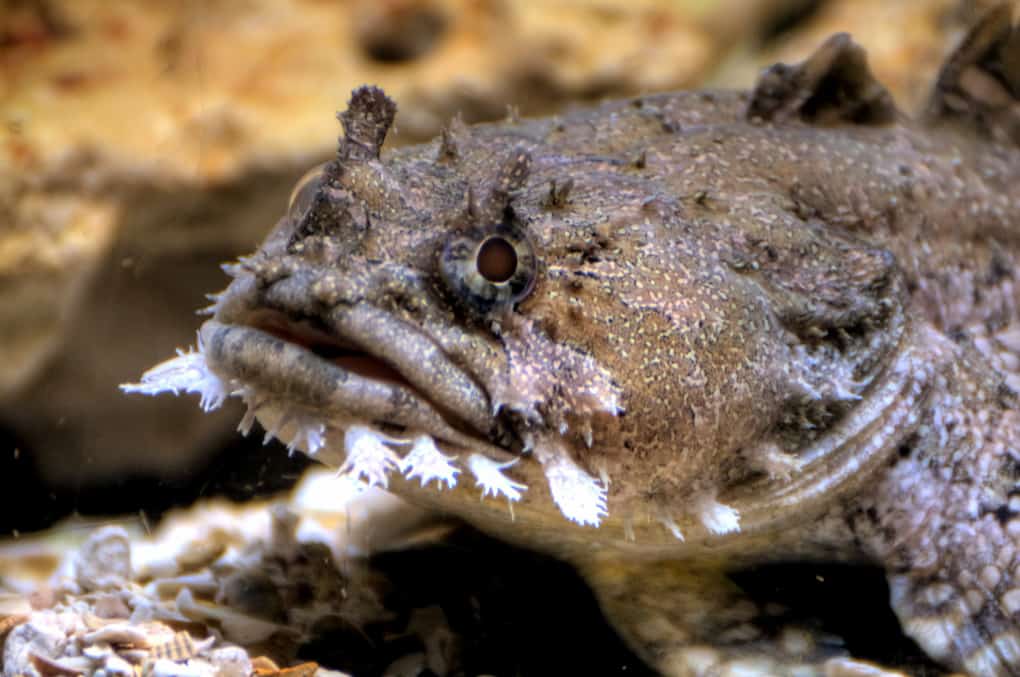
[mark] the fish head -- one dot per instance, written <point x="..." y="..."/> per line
<point x="576" y="344"/>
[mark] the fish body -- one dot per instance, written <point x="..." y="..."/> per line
<point x="670" y="336"/>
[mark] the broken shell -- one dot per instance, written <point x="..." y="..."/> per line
<point x="167" y="668"/>
<point x="110" y="606"/>
<point x="43" y="634"/>
<point x="231" y="661"/>
<point x="10" y="622"/>
<point x="119" y="633"/>
<point x="202" y="553"/>
<point x="263" y="665"/>
<point x="97" y="653"/>
<point x="115" y="666"/>
<point x="237" y="627"/>
<point x="49" y="667"/>
<point x="181" y="647"/>
<point x="203" y="583"/>
<point x="302" y="670"/>
<point x="104" y="561"/>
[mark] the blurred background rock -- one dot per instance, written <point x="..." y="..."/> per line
<point x="143" y="143"/>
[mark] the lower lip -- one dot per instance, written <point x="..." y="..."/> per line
<point x="296" y="376"/>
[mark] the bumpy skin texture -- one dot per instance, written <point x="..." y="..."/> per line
<point x="735" y="328"/>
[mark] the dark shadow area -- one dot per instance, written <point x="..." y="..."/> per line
<point x="517" y="612"/>
<point x="848" y="601"/>
<point x="241" y="470"/>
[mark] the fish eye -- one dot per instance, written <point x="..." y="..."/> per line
<point x="303" y="194"/>
<point x="496" y="260"/>
<point x="490" y="268"/>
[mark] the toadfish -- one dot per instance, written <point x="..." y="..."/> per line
<point x="669" y="336"/>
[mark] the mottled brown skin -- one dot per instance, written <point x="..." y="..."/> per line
<point x="804" y="301"/>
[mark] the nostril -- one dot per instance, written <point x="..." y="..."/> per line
<point x="395" y="31"/>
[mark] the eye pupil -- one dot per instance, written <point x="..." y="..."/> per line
<point x="496" y="260"/>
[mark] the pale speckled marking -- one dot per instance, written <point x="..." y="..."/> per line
<point x="368" y="456"/>
<point x="579" y="496"/>
<point x="187" y="372"/>
<point x="426" y="462"/>
<point x="990" y="577"/>
<point x="1011" y="600"/>
<point x="717" y="517"/>
<point x="936" y="634"/>
<point x="988" y="659"/>
<point x="489" y="476"/>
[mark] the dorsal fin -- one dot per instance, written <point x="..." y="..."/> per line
<point x="833" y="85"/>
<point x="979" y="85"/>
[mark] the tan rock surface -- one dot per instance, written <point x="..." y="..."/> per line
<point x="50" y="246"/>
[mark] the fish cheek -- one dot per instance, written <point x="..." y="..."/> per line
<point x="696" y="374"/>
<point x="715" y="398"/>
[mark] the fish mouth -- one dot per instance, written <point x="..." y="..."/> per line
<point x="354" y="365"/>
<point x="308" y="373"/>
